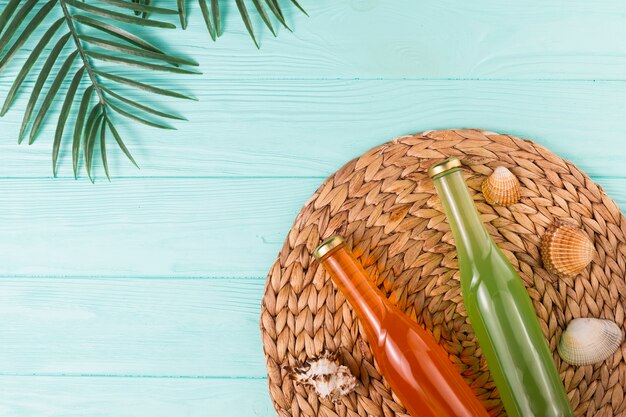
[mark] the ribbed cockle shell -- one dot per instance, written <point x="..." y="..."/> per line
<point x="329" y="379"/>
<point x="588" y="341"/>
<point x="565" y="249"/>
<point x="502" y="188"/>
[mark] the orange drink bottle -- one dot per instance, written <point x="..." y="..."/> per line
<point x="415" y="366"/>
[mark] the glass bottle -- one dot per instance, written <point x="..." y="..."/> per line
<point x="414" y="365"/>
<point x="499" y="308"/>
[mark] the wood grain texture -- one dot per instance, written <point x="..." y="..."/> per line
<point x="561" y="39"/>
<point x="203" y="227"/>
<point x="311" y="127"/>
<point x="193" y="328"/>
<point x="133" y="397"/>
<point x="146" y="227"/>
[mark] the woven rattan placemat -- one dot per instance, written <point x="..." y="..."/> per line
<point x="386" y="206"/>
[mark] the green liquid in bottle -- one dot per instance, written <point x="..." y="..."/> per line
<point x="501" y="312"/>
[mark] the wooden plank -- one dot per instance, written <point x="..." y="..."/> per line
<point x="132" y="397"/>
<point x="311" y="128"/>
<point x="573" y="39"/>
<point x="146" y="227"/>
<point x="166" y="227"/>
<point x="131" y="327"/>
<point x="424" y="39"/>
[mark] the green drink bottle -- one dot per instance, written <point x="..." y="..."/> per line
<point x="499" y="308"/>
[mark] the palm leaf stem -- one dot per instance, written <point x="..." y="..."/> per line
<point x="81" y="52"/>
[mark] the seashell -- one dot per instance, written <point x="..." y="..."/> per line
<point x="502" y="188"/>
<point x="565" y="249"/>
<point x="329" y="379"/>
<point x="588" y="341"/>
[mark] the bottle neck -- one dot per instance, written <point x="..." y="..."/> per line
<point x="470" y="236"/>
<point x="352" y="280"/>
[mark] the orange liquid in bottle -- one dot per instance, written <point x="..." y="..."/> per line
<point x="415" y="366"/>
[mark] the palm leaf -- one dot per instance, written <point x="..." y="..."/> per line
<point x="52" y="92"/>
<point x="43" y="76"/>
<point x="121" y="144"/>
<point x="246" y="20"/>
<point x="99" y="98"/>
<point x="115" y="31"/>
<point x="259" y="7"/>
<point x="136" y="63"/>
<point x="78" y="127"/>
<point x="295" y="2"/>
<point x="212" y="19"/>
<point x="139" y="8"/>
<point x="145" y="2"/>
<point x="65" y="111"/>
<point x="275" y="8"/>
<point x="136" y="12"/>
<point x="131" y="50"/>
<point x="140" y="119"/>
<point x="99" y="11"/>
<point x="90" y="138"/>
<point x="92" y="144"/>
<point x="16" y="22"/>
<point x="207" y="18"/>
<point x="10" y="8"/>
<point x="28" y="65"/>
<point x="217" y="19"/>
<point x="142" y="86"/>
<point x="140" y="106"/>
<point x="103" y="148"/>
<point x="28" y="31"/>
<point x="182" y="13"/>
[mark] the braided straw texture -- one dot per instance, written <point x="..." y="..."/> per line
<point x="386" y="207"/>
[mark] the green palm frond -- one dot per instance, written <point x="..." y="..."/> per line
<point x="265" y="8"/>
<point x="145" y="3"/>
<point x="83" y="36"/>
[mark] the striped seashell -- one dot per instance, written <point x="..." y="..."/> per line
<point x="501" y="188"/>
<point x="588" y="341"/>
<point x="566" y="250"/>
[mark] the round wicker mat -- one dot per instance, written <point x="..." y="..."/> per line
<point x="385" y="205"/>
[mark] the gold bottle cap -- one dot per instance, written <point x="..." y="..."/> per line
<point x="443" y="166"/>
<point x="326" y="246"/>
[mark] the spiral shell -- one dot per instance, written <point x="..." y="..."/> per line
<point x="329" y="379"/>
<point x="566" y="250"/>
<point x="588" y="341"/>
<point x="502" y="188"/>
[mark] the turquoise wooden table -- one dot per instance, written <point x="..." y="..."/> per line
<point x="141" y="297"/>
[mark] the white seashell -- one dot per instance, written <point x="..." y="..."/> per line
<point x="329" y="379"/>
<point x="502" y="188"/>
<point x="588" y="341"/>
